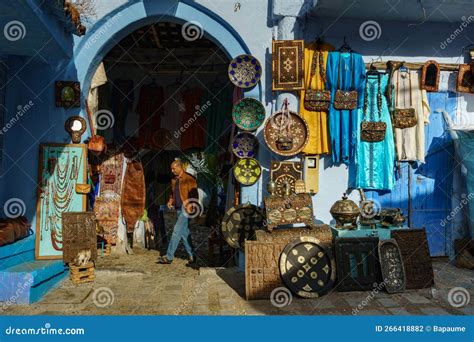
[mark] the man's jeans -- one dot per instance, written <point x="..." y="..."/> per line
<point x="180" y="231"/>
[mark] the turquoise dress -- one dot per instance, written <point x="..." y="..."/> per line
<point x="374" y="162"/>
<point x="342" y="123"/>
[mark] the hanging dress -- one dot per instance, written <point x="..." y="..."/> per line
<point x="150" y="109"/>
<point x="375" y="161"/>
<point x="410" y="142"/>
<point x="318" y="142"/>
<point x="347" y="71"/>
<point x="194" y="122"/>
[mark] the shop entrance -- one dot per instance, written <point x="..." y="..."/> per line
<point x="161" y="94"/>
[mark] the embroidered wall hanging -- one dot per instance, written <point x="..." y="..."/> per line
<point x="61" y="167"/>
<point x="287" y="64"/>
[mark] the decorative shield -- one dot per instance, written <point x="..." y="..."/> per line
<point x="297" y="128"/>
<point x="67" y="94"/>
<point x="245" y="145"/>
<point x="287" y="64"/>
<point x="245" y="71"/>
<point x="307" y="267"/>
<point x="240" y="222"/>
<point x="391" y="264"/>
<point x="248" y="114"/>
<point x="247" y="171"/>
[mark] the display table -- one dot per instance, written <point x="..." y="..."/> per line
<point x="381" y="232"/>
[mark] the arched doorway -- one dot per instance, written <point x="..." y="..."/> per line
<point x="174" y="50"/>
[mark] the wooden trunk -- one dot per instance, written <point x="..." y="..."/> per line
<point x="262" y="272"/>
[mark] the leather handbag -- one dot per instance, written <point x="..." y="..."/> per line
<point x="13" y="229"/>
<point x="404" y="117"/>
<point x="317" y="99"/>
<point x="345" y="99"/>
<point x="96" y="143"/>
<point x="373" y="131"/>
<point x="83" y="188"/>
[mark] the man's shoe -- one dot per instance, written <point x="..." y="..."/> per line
<point x="164" y="260"/>
<point x="191" y="261"/>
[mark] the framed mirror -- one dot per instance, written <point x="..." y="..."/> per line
<point x="430" y="76"/>
<point x="75" y="126"/>
<point x="67" y="94"/>
<point x="465" y="82"/>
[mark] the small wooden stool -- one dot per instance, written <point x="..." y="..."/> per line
<point x="82" y="274"/>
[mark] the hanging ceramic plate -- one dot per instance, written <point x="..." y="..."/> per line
<point x="391" y="264"/>
<point x="245" y="145"/>
<point x="247" y="171"/>
<point x="245" y="71"/>
<point x="307" y="268"/>
<point x="298" y="133"/>
<point x="240" y="223"/>
<point x="248" y="114"/>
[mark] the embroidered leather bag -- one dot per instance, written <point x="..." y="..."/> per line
<point x="404" y="117"/>
<point x="345" y="99"/>
<point x="317" y="99"/>
<point x="373" y="131"/>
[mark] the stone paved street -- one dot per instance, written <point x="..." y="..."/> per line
<point x="137" y="285"/>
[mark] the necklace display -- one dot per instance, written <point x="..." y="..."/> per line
<point x="60" y="193"/>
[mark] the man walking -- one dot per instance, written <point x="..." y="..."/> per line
<point x="184" y="198"/>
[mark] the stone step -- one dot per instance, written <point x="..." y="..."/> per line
<point x="27" y="282"/>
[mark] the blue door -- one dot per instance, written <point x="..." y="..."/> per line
<point x="424" y="191"/>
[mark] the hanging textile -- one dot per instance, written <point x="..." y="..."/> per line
<point x="217" y="109"/>
<point x="174" y="109"/>
<point x="149" y="109"/>
<point x="194" y="123"/>
<point x="410" y="142"/>
<point x="121" y="102"/>
<point x="133" y="194"/>
<point x="344" y="71"/>
<point x="315" y="78"/>
<point x="99" y="78"/>
<point x="374" y="161"/>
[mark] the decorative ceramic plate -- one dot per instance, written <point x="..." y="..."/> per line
<point x="247" y="171"/>
<point x="307" y="268"/>
<point x="245" y="145"/>
<point x="248" y="114"/>
<point x="297" y="128"/>
<point x="245" y="71"/>
<point x="391" y="264"/>
<point x="240" y="222"/>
